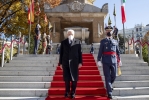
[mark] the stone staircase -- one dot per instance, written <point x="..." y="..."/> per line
<point x="28" y="77"/>
<point x="133" y="84"/>
<point x="85" y="48"/>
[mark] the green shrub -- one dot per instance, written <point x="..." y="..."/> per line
<point x="145" y="53"/>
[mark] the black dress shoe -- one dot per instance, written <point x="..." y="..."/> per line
<point x="72" y="96"/>
<point x="110" y="96"/>
<point x="66" y="95"/>
<point x="112" y="88"/>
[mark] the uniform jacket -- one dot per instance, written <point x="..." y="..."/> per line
<point x="107" y="45"/>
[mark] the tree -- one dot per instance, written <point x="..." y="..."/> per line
<point x="145" y="53"/>
<point x="8" y="9"/>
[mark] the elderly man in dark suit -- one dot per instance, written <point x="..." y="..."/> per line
<point x="70" y="61"/>
<point x="109" y="58"/>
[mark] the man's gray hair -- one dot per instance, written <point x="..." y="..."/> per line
<point x="72" y="31"/>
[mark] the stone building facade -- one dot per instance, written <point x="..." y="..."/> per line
<point x="80" y="14"/>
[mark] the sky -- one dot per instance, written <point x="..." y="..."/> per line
<point x="137" y="12"/>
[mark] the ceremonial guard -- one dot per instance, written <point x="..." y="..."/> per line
<point x="109" y="59"/>
<point x="115" y="33"/>
<point x="92" y="49"/>
<point x="37" y="38"/>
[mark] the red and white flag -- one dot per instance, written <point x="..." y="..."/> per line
<point x="31" y="12"/>
<point x="123" y="11"/>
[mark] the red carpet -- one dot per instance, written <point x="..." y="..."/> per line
<point x="90" y="85"/>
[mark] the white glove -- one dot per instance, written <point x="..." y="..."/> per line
<point x="38" y="26"/>
<point x="120" y="63"/>
<point x="99" y="63"/>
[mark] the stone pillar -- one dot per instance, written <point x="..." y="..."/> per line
<point x="83" y="36"/>
<point x="96" y="38"/>
<point x="56" y="35"/>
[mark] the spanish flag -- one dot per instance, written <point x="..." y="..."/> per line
<point x="31" y="12"/>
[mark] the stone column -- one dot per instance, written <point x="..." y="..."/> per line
<point x="57" y="31"/>
<point x="83" y="35"/>
<point x="96" y="38"/>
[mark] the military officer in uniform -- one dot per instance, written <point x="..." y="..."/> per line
<point x="108" y="57"/>
<point x="70" y="61"/>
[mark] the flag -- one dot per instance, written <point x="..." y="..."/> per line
<point x="39" y="11"/>
<point x="31" y="12"/>
<point x="109" y="21"/>
<point x="123" y="11"/>
<point x="45" y="18"/>
<point x="114" y="13"/>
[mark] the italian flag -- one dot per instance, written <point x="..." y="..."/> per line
<point x="123" y="11"/>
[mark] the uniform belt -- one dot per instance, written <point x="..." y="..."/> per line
<point x="112" y="53"/>
<point x="109" y="53"/>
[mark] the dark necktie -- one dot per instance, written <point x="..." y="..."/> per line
<point x="110" y="40"/>
<point x="70" y="42"/>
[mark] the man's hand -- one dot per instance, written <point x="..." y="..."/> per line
<point x="61" y="66"/>
<point x="99" y="63"/>
<point x="80" y="65"/>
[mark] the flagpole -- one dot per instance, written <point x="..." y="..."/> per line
<point x="30" y="28"/>
<point x="38" y="11"/>
<point x="114" y="13"/>
<point x="115" y="20"/>
<point x="124" y="37"/>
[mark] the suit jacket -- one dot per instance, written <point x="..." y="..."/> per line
<point x="70" y="56"/>
<point x="107" y="46"/>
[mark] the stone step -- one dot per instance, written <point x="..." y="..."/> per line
<point x="34" y="61"/>
<point x="131" y="91"/>
<point x="134" y="64"/>
<point x="22" y="62"/>
<point x="52" y="72"/>
<point x="37" y="85"/>
<point x="23" y="92"/>
<point x="117" y="84"/>
<point x="20" y="68"/>
<point x="27" y="73"/>
<point x="124" y="84"/>
<point x="37" y="59"/>
<point x="130" y="78"/>
<point x="43" y="92"/>
<point x="26" y="79"/>
<point x="22" y="98"/>
<point x="136" y="97"/>
<point x="38" y="55"/>
<point x="132" y="72"/>
<point x="40" y="64"/>
<point x="135" y="68"/>
<point x="49" y="78"/>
